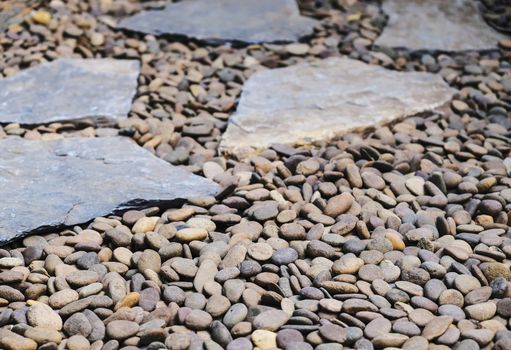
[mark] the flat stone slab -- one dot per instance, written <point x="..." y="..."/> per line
<point x="312" y="102"/>
<point x="250" y="21"/>
<point x="444" y="25"/>
<point x="69" y="89"/>
<point x="51" y="184"/>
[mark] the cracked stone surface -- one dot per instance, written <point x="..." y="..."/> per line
<point x="453" y="25"/>
<point x="250" y="21"/>
<point x="69" y="89"/>
<point x="51" y="184"/>
<point x="313" y="102"/>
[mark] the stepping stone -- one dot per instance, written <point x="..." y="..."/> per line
<point x="445" y="25"/>
<point x="51" y="184"/>
<point x="69" y="89"/>
<point x="314" y="102"/>
<point x="250" y="21"/>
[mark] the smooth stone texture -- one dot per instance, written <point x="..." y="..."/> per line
<point x="422" y="25"/>
<point x="318" y="101"/>
<point x="69" y="89"/>
<point x="270" y="320"/>
<point x="250" y="21"/>
<point x="43" y="315"/>
<point x="436" y="327"/>
<point x="264" y="339"/>
<point x="121" y="329"/>
<point x="83" y="179"/>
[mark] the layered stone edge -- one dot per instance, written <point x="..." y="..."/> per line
<point x="235" y="139"/>
<point x="385" y="36"/>
<point x="98" y="63"/>
<point x="135" y="203"/>
<point x="130" y="24"/>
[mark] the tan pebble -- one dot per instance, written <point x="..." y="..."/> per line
<point x="287" y="306"/>
<point x="129" y="300"/>
<point x="264" y="340"/>
<point x="180" y="214"/>
<point x="505" y="44"/>
<point x="338" y="205"/>
<point x="43" y="335"/>
<point x="436" y="327"/>
<point x="203" y="223"/>
<point x="451" y="296"/>
<point x="62" y="298"/>
<point x="212" y="169"/>
<point x="395" y="239"/>
<point x="8" y="263"/>
<point x="149" y="259"/>
<point x="86" y="236"/>
<point x="493" y="325"/>
<point x="145" y="224"/>
<point x="123" y="255"/>
<point x="105" y="254"/>
<point x="114" y="266"/>
<point x="484" y="220"/>
<point x="42" y="315"/>
<point x="212" y="288"/>
<point x="349" y="263"/>
<point x="459" y="106"/>
<point x="297" y="48"/>
<point x="17" y="342"/>
<point x="481" y="311"/>
<point x="197" y="90"/>
<point x="260" y="251"/>
<point x="191" y="234"/>
<point x="241" y="329"/>
<point x="97" y="39"/>
<point x="78" y="342"/>
<point x="42" y="17"/>
<point x="331" y="305"/>
<point x="389" y="340"/>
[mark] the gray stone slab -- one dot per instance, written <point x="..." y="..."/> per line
<point x="69" y="89"/>
<point x="52" y="184"/>
<point x="251" y="21"/>
<point x="313" y="102"/>
<point x="444" y="25"/>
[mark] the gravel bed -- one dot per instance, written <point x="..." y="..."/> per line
<point x="398" y="238"/>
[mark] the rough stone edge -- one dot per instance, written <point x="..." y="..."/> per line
<point x="122" y="25"/>
<point x="135" y="203"/>
<point x="98" y="120"/>
<point x="378" y="45"/>
<point x="122" y="208"/>
<point x="245" y="152"/>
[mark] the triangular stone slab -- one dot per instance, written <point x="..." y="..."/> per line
<point x="69" y="89"/>
<point x="51" y="184"/>
<point x="313" y="102"/>
<point x="444" y="25"/>
<point x="251" y="21"/>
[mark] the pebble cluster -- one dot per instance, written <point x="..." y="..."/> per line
<point x="394" y="239"/>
